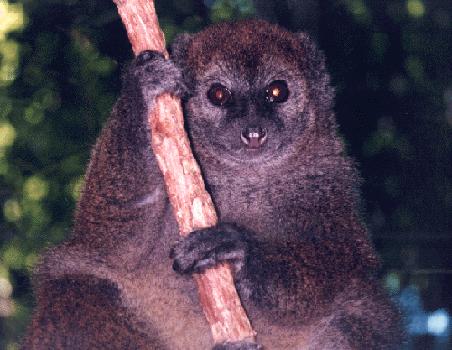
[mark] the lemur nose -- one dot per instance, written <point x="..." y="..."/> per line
<point x="254" y="137"/>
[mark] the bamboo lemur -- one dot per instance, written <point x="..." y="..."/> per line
<point x="258" y="106"/>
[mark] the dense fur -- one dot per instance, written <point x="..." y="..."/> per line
<point x="289" y="212"/>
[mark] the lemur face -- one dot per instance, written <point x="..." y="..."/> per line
<point x="248" y="112"/>
<point x="256" y="91"/>
<point x="251" y="85"/>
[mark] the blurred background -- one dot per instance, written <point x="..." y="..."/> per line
<point x="391" y="64"/>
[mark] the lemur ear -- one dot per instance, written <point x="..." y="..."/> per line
<point x="178" y="51"/>
<point x="312" y="64"/>
<point x="179" y="46"/>
<point x="313" y="60"/>
<point x="315" y="55"/>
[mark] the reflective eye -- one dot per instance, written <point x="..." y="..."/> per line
<point x="218" y="94"/>
<point x="277" y="91"/>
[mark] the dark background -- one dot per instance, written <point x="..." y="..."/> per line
<point x="60" y="63"/>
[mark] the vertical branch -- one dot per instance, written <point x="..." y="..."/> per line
<point x="191" y="203"/>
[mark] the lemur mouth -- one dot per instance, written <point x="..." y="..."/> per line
<point x="253" y="137"/>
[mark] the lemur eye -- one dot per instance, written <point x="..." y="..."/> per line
<point x="277" y="91"/>
<point x="218" y="94"/>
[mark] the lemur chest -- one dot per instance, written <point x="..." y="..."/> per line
<point x="255" y="208"/>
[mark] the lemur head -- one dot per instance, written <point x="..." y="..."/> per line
<point x="257" y="92"/>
